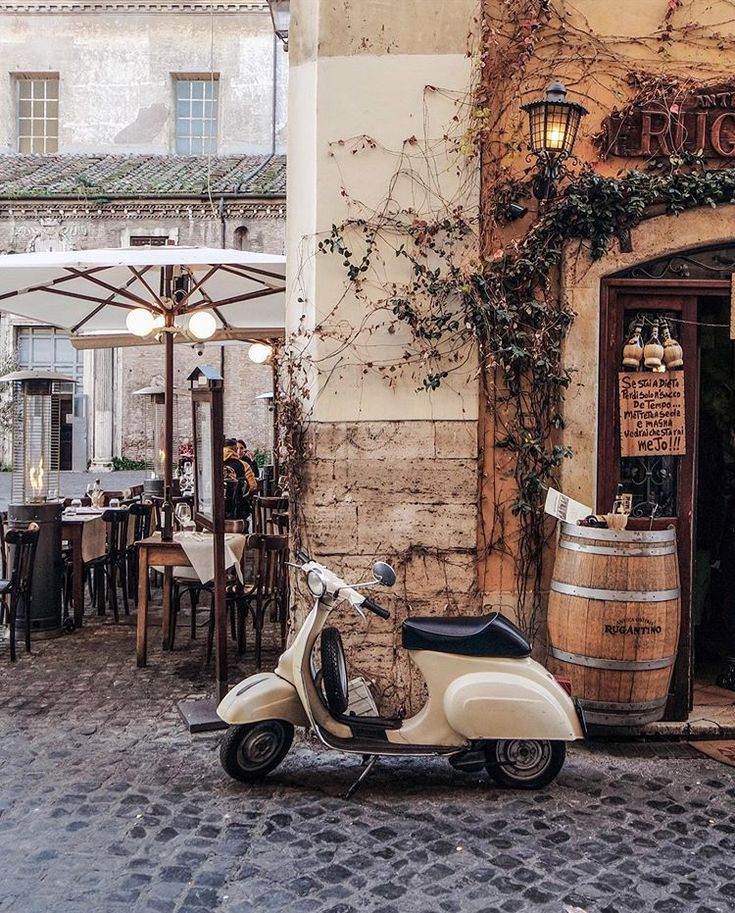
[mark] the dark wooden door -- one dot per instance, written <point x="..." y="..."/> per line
<point x="663" y="486"/>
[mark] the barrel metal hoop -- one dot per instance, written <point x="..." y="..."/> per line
<point x="652" y="552"/>
<point x="615" y="665"/>
<point x="623" y="535"/>
<point x="621" y="706"/>
<point x="586" y="592"/>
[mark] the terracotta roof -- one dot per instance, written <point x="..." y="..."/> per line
<point x="102" y="177"/>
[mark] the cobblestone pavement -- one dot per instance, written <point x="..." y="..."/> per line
<point x="107" y="804"/>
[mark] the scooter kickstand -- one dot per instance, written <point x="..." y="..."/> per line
<point x="372" y="760"/>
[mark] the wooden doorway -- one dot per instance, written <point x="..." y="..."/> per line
<point x="664" y="487"/>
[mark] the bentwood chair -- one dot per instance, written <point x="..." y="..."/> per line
<point x="16" y="590"/>
<point x="113" y="563"/>
<point x="263" y="511"/>
<point x="187" y="584"/>
<point x="141" y="515"/>
<point x="268" y="592"/>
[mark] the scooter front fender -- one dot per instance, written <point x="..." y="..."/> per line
<point x="503" y="704"/>
<point x="264" y="696"/>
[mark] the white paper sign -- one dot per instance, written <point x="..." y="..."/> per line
<point x="565" y="508"/>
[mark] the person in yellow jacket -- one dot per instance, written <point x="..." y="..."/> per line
<point x="237" y="496"/>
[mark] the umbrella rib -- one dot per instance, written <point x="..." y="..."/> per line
<point x="245" y="271"/>
<point x="208" y="299"/>
<point x="121" y="290"/>
<point x="78" y="295"/>
<point x="201" y="282"/>
<point x="46" y="286"/>
<point x="141" y="276"/>
<point x="203" y="305"/>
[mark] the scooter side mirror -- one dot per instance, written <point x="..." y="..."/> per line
<point x="384" y="573"/>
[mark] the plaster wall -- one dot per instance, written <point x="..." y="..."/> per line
<point x="389" y="471"/>
<point x="116" y="77"/>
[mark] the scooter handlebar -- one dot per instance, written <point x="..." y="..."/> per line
<point x="375" y="608"/>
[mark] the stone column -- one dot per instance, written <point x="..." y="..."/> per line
<point x="389" y="472"/>
<point x="102" y="408"/>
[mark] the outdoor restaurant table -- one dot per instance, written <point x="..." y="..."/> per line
<point x="187" y="550"/>
<point x="86" y="533"/>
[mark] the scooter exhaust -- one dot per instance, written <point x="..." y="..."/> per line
<point x="470" y="761"/>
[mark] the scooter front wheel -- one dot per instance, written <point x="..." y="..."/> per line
<point x="524" y="763"/>
<point x="251" y="751"/>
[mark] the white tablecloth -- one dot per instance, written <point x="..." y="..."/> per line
<point x="94" y="533"/>
<point x="199" y="548"/>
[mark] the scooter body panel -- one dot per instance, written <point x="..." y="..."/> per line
<point x="264" y="696"/>
<point x="475" y="697"/>
<point x="511" y="704"/>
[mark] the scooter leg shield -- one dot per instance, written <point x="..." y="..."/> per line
<point x="507" y="705"/>
<point x="264" y="696"/>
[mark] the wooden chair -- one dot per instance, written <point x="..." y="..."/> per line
<point x="263" y="510"/>
<point x="141" y="514"/>
<point x="269" y="591"/>
<point x="16" y="590"/>
<point x="113" y="562"/>
<point x="193" y="588"/>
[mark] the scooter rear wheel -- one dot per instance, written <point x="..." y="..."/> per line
<point x="251" y="751"/>
<point x="524" y="763"/>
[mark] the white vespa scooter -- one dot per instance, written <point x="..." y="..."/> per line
<point x="489" y="704"/>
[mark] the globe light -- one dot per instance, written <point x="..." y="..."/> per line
<point x="140" y="322"/>
<point x="259" y="352"/>
<point x="159" y="322"/>
<point x="202" y="325"/>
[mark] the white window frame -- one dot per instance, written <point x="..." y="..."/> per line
<point x="190" y="108"/>
<point x="34" y="127"/>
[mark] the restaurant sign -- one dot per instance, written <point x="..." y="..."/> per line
<point x="652" y="419"/>
<point x="701" y="120"/>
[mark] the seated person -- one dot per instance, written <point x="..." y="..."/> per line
<point x="247" y="457"/>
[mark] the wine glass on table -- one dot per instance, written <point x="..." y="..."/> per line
<point x="182" y="512"/>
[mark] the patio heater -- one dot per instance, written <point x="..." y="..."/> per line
<point x="154" y="430"/>
<point x="35" y="485"/>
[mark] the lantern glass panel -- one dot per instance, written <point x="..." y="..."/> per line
<point x="203" y="457"/>
<point x="553" y="126"/>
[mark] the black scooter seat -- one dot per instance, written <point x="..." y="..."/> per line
<point x="464" y="635"/>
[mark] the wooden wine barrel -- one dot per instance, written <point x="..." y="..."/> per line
<point x="613" y="619"/>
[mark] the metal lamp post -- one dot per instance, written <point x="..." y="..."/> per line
<point x="281" y="16"/>
<point x="553" y="126"/>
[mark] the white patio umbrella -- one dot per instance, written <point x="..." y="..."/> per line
<point x="128" y="296"/>
<point x="141" y="295"/>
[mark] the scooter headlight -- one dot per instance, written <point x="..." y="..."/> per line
<point x="316" y="583"/>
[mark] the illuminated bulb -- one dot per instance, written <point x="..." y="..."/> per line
<point x="140" y="322"/>
<point x="259" y="352"/>
<point x="555" y="138"/>
<point x="159" y="322"/>
<point x="202" y="325"/>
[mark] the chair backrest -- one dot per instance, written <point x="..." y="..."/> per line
<point x="234" y="526"/>
<point x="270" y="571"/>
<point x="264" y="509"/>
<point x="116" y="519"/>
<point x="136" y="491"/>
<point x="3" y="546"/>
<point x="142" y="515"/>
<point x="24" y="541"/>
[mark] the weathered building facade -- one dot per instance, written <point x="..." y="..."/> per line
<point x="132" y="124"/>
<point x="449" y="481"/>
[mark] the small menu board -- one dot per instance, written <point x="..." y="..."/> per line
<point x="652" y="417"/>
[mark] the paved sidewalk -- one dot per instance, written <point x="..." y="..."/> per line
<point x="107" y="805"/>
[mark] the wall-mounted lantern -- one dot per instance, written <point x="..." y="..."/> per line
<point x="281" y="16"/>
<point x="553" y="126"/>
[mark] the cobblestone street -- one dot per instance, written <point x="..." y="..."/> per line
<point x="109" y="805"/>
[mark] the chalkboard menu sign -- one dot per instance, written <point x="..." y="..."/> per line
<point x="652" y="416"/>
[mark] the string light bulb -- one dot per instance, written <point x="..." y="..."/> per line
<point x="202" y="325"/>
<point x="140" y="322"/>
<point x="259" y="352"/>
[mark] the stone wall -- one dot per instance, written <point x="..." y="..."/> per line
<point x="405" y="492"/>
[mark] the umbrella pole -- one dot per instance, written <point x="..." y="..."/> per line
<point x="168" y="454"/>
